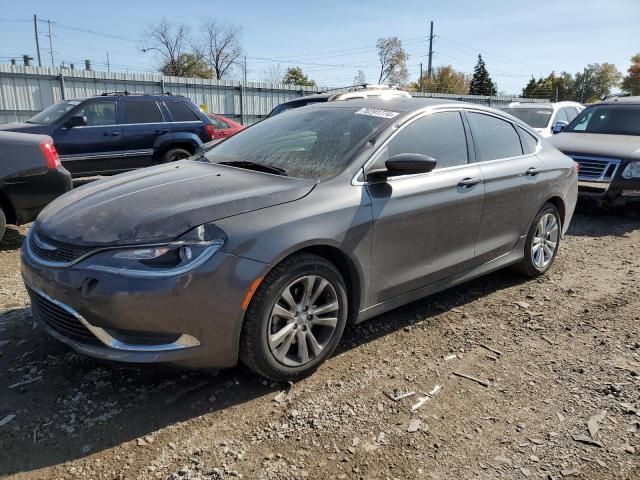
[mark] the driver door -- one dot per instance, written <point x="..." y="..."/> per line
<point x="425" y="225"/>
<point x="97" y="146"/>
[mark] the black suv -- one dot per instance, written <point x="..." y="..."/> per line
<point x="605" y="140"/>
<point x="117" y="132"/>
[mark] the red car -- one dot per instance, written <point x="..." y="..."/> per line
<point x="223" y="127"/>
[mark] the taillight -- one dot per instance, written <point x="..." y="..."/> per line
<point x="50" y="153"/>
<point x="577" y="166"/>
<point x="210" y="130"/>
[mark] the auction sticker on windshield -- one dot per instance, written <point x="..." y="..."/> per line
<point x="374" y="112"/>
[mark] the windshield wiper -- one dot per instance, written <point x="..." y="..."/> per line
<point x="258" y="167"/>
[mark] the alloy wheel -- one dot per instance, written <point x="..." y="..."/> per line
<point x="545" y="241"/>
<point x="303" y="320"/>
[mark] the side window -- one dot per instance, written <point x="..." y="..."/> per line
<point x="529" y="142"/>
<point x="142" y="111"/>
<point x="99" y="113"/>
<point x="572" y="112"/>
<point x="181" y="112"/>
<point x="561" y="116"/>
<point x="495" y="138"/>
<point x="440" y="135"/>
<point x="220" y="124"/>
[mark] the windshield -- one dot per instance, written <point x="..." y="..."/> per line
<point x="612" y="119"/>
<point x="54" y="112"/>
<point x="283" y="107"/>
<point x="534" y="117"/>
<point x="312" y="143"/>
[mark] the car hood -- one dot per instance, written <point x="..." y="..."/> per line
<point x="160" y="203"/>
<point x="602" y="145"/>
<point x="24" y="127"/>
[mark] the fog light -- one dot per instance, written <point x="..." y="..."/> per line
<point x="185" y="253"/>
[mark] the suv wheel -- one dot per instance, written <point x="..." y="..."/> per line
<point x="541" y="245"/>
<point x="295" y="319"/>
<point x="175" y="154"/>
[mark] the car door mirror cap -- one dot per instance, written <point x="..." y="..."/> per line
<point x="77" y="121"/>
<point x="408" y="164"/>
<point x="559" y="126"/>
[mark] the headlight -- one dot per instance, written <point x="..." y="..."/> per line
<point x="632" y="170"/>
<point x="160" y="261"/>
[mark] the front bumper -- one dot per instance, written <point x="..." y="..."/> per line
<point x="617" y="192"/>
<point x="193" y="319"/>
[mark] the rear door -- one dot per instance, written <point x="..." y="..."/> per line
<point x="512" y="175"/>
<point x="425" y="225"/>
<point x="96" y="147"/>
<point x="144" y="128"/>
<point x="186" y="124"/>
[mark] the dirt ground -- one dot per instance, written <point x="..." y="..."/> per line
<point x="561" y="398"/>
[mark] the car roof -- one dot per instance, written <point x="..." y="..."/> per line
<point x="619" y="99"/>
<point x="550" y="105"/>
<point x="398" y="104"/>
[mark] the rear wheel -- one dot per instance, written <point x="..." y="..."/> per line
<point x="3" y="223"/>
<point x="295" y="319"/>
<point x="175" y="154"/>
<point x="541" y="245"/>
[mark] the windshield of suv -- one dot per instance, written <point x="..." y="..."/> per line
<point x="534" y="117"/>
<point x="54" y="112"/>
<point x="312" y="143"/>
<point x="612" y="119"/>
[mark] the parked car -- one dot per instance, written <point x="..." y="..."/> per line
<point x="223" y="127"/>
<point x="291" y="229"/>
<point x="360" y="91"/>
<point x="605" y="140"/>
<point x="114" y="133"/>
<point x="542" y="117"/>
<point x="30" y="177"/>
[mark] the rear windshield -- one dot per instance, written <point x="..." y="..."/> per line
<point x="534" y="117"/>
<point x="54" y="112"/>
<point x="312" y="143"/>
<point x="612" y="119"/>
<point x="283" y="107"/>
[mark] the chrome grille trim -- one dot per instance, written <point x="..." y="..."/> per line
<point x="596" y="169"/>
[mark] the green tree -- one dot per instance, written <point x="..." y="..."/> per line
<point x="481" y="83"/>
<point x="631" y="83"/>
<point x="444" y="79"/>
<point x="294" y="76"/>
<point x="187" y="65"/>
<point x="596" y="81"/>
<point x="393" y="61"/>
<point x="563" y="85"/>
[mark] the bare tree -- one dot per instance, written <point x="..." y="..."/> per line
<point x="360" y="78"/>
<point x="220" y="47"/>
<point x="170" y="42"/>
<point x="273" y="73"/>
<point x="393" y="60"/>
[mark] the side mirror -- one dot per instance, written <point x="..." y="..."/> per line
<point x="409" y="163"/>
<point x="559" y="126"/>
<point x="77" y="121"/>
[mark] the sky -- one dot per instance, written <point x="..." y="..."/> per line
<point x="331" y="39"/>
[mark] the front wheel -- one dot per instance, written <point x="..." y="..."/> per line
<point x="3" y="223"/>
<point x="295" y="318"/>
<point x="542" y="242"/>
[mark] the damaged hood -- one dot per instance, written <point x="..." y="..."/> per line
<point x="158" y="204"/>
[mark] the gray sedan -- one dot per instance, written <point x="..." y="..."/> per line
<point x="267" y="246"/>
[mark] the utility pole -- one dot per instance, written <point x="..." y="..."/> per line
<point x="245" y="69"/>
<point x="51" y="43"/>
<point x="35" y="27"/>
<point x="421" y="87"/>
<point x="108" y="66"/>
<point x="430" y="52"/>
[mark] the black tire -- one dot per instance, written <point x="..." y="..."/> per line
<point x="175" y="154"/>
<point x="527" y="266"/>
<point x="255" y="352"/>
<point x="3" y="223"/>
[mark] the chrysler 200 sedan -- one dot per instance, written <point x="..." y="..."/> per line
<point x="265" y="248"/>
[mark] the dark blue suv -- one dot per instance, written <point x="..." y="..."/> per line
<point x="117" y="132"/>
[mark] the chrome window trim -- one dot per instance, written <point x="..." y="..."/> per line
<point x="432" y="110"/>
<point x="184" y="341"/>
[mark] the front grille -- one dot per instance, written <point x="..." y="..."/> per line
<point x="55" y="251"/>
<point x="59" y="319"/>
<point x="596" y="168"/>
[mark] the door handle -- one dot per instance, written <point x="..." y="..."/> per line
<point x="162" y="131"/>
<point x="111" y="134"/>
<point x="533" y="171"/>
<point x="469" y="182"/>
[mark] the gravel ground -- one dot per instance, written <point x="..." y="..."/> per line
<point x="558" y="361"/>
